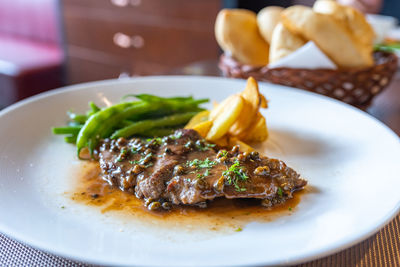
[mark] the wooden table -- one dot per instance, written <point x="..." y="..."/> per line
<point x="383" y="248"/>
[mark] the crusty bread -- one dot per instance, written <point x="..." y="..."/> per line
<point x="237" y="33"/>
<point x="330" y="35"/>
<point x="283" y="43"/>
<point x="354" y="19"/>
<point x="267" y="19"/>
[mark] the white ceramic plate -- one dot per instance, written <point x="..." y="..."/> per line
<point x="350" y="159"/>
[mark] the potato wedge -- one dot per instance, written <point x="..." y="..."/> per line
<point x="251" y="105"/>
<point x="259" y="132"/>
<point x="233" y="141"/>
<point x="198" y="118"/>
<point x="231" y="109"/>
<point x="223" y="141"/>
<point x="263" y="101"/>
<point x="245" y="119"/>
<point x="251" y="92"/>
<point x="203" y="128"/>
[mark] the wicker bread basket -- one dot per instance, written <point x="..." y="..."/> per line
<point x="355" y="87"/>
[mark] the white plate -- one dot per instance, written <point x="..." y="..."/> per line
<point x="350" y="159"/>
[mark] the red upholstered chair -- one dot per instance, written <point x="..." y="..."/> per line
<point x="31" y="57"/>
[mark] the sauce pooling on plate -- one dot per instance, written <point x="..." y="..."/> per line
<point x="221" y="214"/>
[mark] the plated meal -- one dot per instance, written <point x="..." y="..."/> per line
<point x="207" y="160"/>
<point x="54" y="201"/>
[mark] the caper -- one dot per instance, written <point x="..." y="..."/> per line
<point x="178" y="169"/>
<point x="235" y="149"/>
<point x="148" y="201"/>
<point x="222" y="153"/>
<point x="121" y="142"/>
<point x="254" y="155"/>
<point x="241" y="157"/>
<point x="262" y="170"/>
<point x="154" y="205"/>
<point x="166" y="205"/>
<point x="222" y="159"/>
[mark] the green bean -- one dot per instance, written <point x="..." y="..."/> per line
<point x="142" y="108"/>
<point x="93" y="108"/>
<point x="158" y="132"/>
<point x="150" y="115"/>
<point x="152" y="98"/>
<point x="144" y="125"/>
<point x="67" y="130"/>
<point x="92" y="125"/>
<point x="79" y="118"/>
<point x="70" y="139"/>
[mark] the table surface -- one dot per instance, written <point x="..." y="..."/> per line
<point x="381" y="249"/>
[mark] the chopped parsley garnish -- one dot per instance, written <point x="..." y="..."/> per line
<point x="157" y="140"/>
<point x="290" y="208"/>
<point x="234" y="175"/>
<point x="201" y="164"/>
<point x="223" y="153"/>
<point x="134" y="150"/>
<point x="176" y="136"/>
<point x="280" y="192"/>
<point x="142" y="160"/>
<point x="239" y="229"/>
<point x="204" y="147"/>
<point x="205" y="174"/>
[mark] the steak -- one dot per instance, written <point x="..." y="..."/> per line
<point x="185" y="169"/>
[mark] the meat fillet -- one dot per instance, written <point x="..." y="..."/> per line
<point x="185" y="169"/>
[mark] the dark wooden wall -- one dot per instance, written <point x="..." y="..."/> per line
<point x="107" y="38"/>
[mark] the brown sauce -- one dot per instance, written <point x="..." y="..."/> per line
<point x="221" y="214"/>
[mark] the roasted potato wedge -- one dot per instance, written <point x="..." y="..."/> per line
<point x="251" y="95"/>
<point x="259" y="132"/>
<point x="263" y="101"/>
<point x="251" y="92"/>
<point x="197" y="119"/>
<point x="203" y="128"/>
<point x="230" y="111"/>
<point x="223" y="141"/>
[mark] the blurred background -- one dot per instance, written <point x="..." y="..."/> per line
<point x="45" y="44"/>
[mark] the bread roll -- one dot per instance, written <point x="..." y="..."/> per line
<point x="267" y="19"/>
<point x="283" y="43"/>
<point x="330" y="35"/>
<point x="237" y="33"/>
<point x="354" y="19"/>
